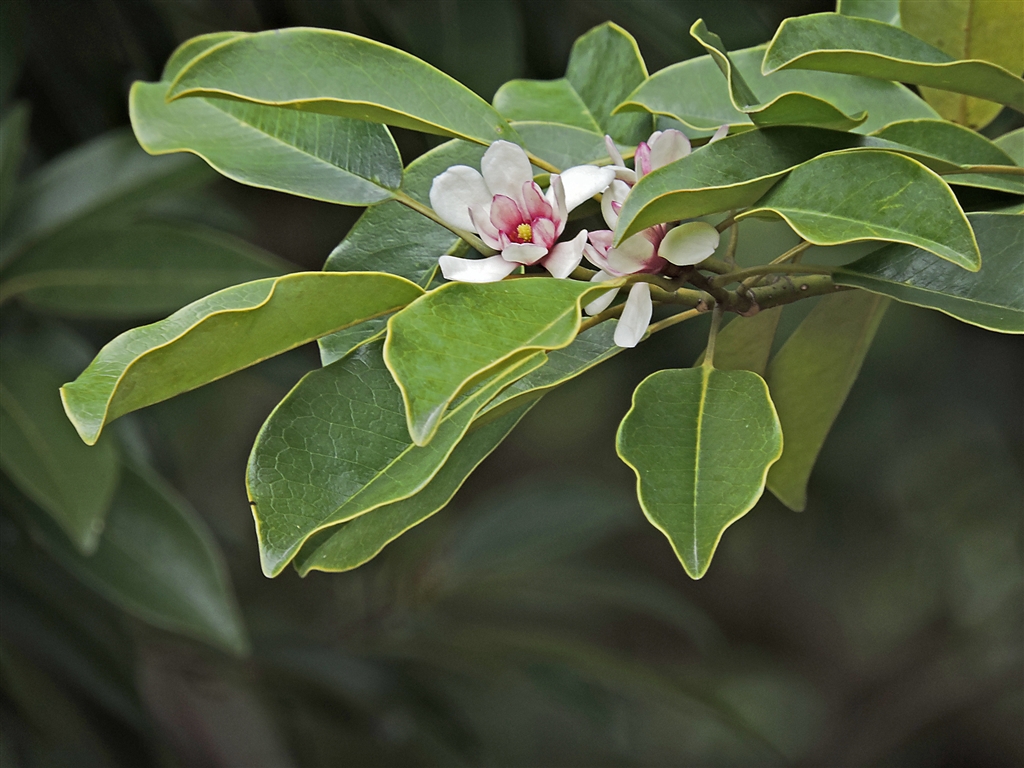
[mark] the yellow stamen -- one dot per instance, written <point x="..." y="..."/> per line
<point x="525" y="233"/>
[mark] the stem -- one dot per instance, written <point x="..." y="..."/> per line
<point x="599" y="318"/>
<point x="431" y="214"/>
<point x="795" y="254"/>
<point x="730" y="250"/>
<point x="770" y="269"/>
<point x="542" y="163"/>
<point x="721" y="295"/>
<point x="716" y="265"/>
<point x="724" y="224"/>
<point x="668" y="322"/>
<point x="1010" y="170"/>
<point x="716" y="322"/>
<point x="788" y="290"/>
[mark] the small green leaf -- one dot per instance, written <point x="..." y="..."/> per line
<point x="844" y="197"/>
<point x="1012" y="143"/>
<point x="991" y="298"/>
<point x="441" y="343"/>
<point x="323" y="157"/>
<point x="141" y="270"/>
<point x="835" y="43"/>
<point x="989" y="30"/>
<point x="13" y="132"/>
<point x="44" y="457"/>
<point x="349" y="545"/>
<point x="810" y="378"/>
<point x="746" y="342"/>
<point x="341" y="74"/>
<point x="337" y="447"/>
<point x="223" y="333"/>
<point x="700" y="441"/>
<point x="885" y="11"/>
<point x="563" y="145"/>
<point x="553" y="101"/>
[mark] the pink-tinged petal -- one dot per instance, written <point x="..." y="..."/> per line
<point x="506" y="168"/>
<point x="642" y="160"/>
<point x="602" y="302"/>
<point x="536" y="206"/>
<point x="595" y="257"/>
<point x="544" y="232"/>
<point x="556" y="197"/>
<point x="488" y="270"/>
<point x="582" y="182"/>
<point x="613" y="151"/>
<point x="635" y="254"/>
<point x="616" y="193"/>
<point x="689" y="243"/>
<point x="602" y="238"/>
<point x="636" y="316"/>
<point x="505" y="215"/>
<point x="721" y="133"/>
<point x="672" y="145"/>
<point x="565" y="257"/>
<point x="523" y="253"/>
<point x="481" y="218"/>
<point x="454" y="191"/>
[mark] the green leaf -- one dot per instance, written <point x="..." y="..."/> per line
<point x="700" y="441"/>
<point x="337" y="447"/>
<point x="989" y="30"/>
<point x="349" y="545"/>
<point x="810" y="378"/>
<point x="834" y="43"/>
<point x="692" y="92"/>
<point x="223" y="333"/>
<point x="192" y="48"/>
<point x="886" y="11"/>
<point x="553" y="101"/>
<point x="158" y="562"/>
<point x="1012" y="143"/>
<point x="746" y="342"/>
<point x="792" y="108"/>
<point x="844" y="197"/>
<point x="42" y="454"/>
<point x="991" y="298"/>
<point x="442" y="342"/>
<point x="339" y="344"/>
<point x="13" y="133"/>
<point x="341" y="74"/>
<point x="145" y="269"/>
<point x="563" y="145"/>
<point x="323" y="157"/>
<point x="958" y="145"/>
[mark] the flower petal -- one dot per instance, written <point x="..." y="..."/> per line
<point x="582" y="182"/>
<point x="556" y="197"/>
<point x="689" y="243"/>
<point x="488" y="270"/>
<point x="536" y="205"/>
<point x="565" y="257"/>
<point x="544" y="232"/>
<point x="721" y="133"/>
<point x="602" y="302"/>
<point x="636" y="316"/>
<point x="635" y="254"/>
<point x="642" y="159"/>
<point x="523" y="253"/>
<point x="506" y="168"/>
<point x="454" y="191"/>
<point x="622" y="173"/>
<point x="616" y="193"/>
<point x="505" y="215"/>
<point x="481" y="218"/>
<point x="613" y="151"/>
<point x="670" y="146"/>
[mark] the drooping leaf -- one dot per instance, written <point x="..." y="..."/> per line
<point x="43" y="456"/>
<point x="689" y="92"/>
<point x="13" y="132"/>
<point x="746" y="342"/>
<point x="338" y="73"/>
<point x="142" y="270"/>
<point x="443" y="341"/>
<point x="1012" y="143"/>
<point x="810" y="378"/>
<point x="349" y="545"/>
<point x="223" y="333"/>
<point x="320" y="156"/>
<point x="553" y="101"/>
<point x="832" y="42"/>
<point x="989" y="30"/>
<point x="338" y="447"/>
<point x="564" y="145"/>
<point x="991" y="298"/>
<point x="886" y="11"/>
<point x="700" y="441"/>
<point x="844" y="197"/>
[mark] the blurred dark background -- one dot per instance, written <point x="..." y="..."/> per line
<point x="539" y="620"/>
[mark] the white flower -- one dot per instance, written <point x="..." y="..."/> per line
<point x="507" y="209"/>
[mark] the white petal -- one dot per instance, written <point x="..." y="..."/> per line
<point x="555" y="195"/>
<point x="454" y="191"/>
<point x="632" y="256"/>
<point x="721" y="133"/>
<point x="582" y="182"/>
<point x="636" y="316"/>
<point x="488" y="270"/>
<point x="613" y="151"/>
<point x="616" y="193"/>
<point x="689" y="243"/>
<point x="481" y="217"/>
<point x="565" y="257"/>
<point x="670" y="146"/>
<point x="506" y="168"/>
<point x="523" y="253"/>
<point x="601" y="303"/>
<point x="622" y="173"/>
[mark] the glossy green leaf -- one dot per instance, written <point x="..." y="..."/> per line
<point x="886" y="11"/>
<point x="223" y="333"/>
<point x="844" y="197"/>
<point x="349" y="545"/>
<point x="792" y="108"/>
<point x="323" y="157"/>
<point x="192" y="48"/>
<point x="810" y="378"/>
<point x="42" y="454"/>
<point x="746" y="342"/>
<point x="700" y="441"/>
<point x="990" y="30"/>
<point x="553" y="101"/>
<point x="338" y="447"/>
<point x="158" y="562"/>
<point x="1012" y="143"/>
<point x="442" y="342"/>
<point x="958" y="145"/>
<point x="142" y="270"/>
<point x="13" y="135"/>
<point x="339" y="344"/>
<point x="991" y="298"/>
<point x="693" y="92"/>
<point x="564" y="145"/>
<point x="338" y="73"/>
<point x="835" y="43"/>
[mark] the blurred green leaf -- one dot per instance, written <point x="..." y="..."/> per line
<point x="886" y="11"/>
<point x="848" y="196"/>
<point x="553" y="101"/>
<point x="337" y="73"/>
<point x="13" y="138"/>
<point x="13" y="24"/>
<point x="746" y="342"/>
<point x="809" y="379"/>
<point x="1012" y="143"/>
<point x="223" y="333"/>
<point x="991" y="298"/>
